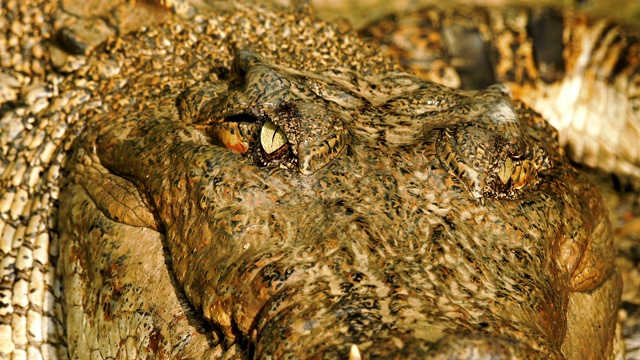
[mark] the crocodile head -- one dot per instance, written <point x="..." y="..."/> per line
<point x="321" y="213"/>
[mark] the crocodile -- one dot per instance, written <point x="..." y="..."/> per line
<point x="254" y="182"/>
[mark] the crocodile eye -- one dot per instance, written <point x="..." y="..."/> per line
<point x="272" y="139"/>
<point x="506" y="170"/>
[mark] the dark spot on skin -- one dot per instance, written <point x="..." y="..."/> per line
<point x="155" y="341"/>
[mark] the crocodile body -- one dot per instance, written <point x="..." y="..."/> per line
<point x="185" y="196"/>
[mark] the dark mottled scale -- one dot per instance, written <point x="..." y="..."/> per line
<point x="470" y="40"/>
<point x="546" y="28"/>
<point x="468" y="50"/>
<point x="71" y="42"/>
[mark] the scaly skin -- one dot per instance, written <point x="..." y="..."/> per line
<point x="402" y="217"/>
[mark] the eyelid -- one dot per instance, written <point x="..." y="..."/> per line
<point x="241" y="118"/>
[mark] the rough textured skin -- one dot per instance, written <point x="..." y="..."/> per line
<point x="377" y="257"/>
<point x="400" y="216"/>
